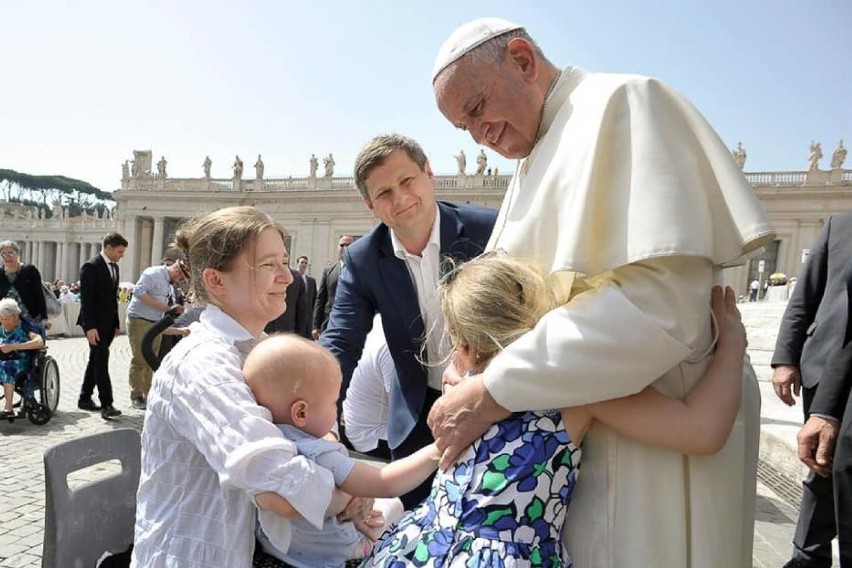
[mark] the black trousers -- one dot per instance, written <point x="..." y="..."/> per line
<point x="419" y="437"/>
<point x="816" y="525"/>
<point x="97" y="369"/>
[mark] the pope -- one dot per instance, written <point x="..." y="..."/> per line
<point x="629" y="197"/>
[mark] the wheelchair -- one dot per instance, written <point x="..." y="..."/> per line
<point x="37" y="388"/>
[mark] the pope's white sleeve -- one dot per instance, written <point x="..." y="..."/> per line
<point x="638" y="322"/>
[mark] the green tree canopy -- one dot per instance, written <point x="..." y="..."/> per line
<point x="79" y="196"/>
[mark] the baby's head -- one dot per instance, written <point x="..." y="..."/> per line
<point x="489" y="302"/>
<point x="297" y="381"/>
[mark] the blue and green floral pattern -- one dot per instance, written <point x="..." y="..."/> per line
<point x="501" y="506"/>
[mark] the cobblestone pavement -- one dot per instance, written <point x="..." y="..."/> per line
<point x="22" y="445"/>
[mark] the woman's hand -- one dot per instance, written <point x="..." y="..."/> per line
<point x="358" y="508"/>
<point x="5" y="349"/>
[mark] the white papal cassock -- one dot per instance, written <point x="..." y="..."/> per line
<point x="634" y="203"/>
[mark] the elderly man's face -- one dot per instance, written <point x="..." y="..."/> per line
<point x="500" y="106"/>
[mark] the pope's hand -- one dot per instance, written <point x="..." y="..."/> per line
<point x="461" y="416"/>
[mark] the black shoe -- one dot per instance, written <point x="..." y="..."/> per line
<point x="138" y="403"/>
<point x="802" y="563"/>
<point x="87" y="404"/>
<point x="109" y="411"/>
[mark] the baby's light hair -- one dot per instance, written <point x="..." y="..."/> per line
<point x="280" y="370"/>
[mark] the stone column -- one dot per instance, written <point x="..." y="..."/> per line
<point x="57" y="260"/>
<point x="63" y="260"/>
<point x="41" y="256"/>
<point x="157" y="241"/>
<point x="129" y="228"/>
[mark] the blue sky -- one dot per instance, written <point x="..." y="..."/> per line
<point x="86" y="83"/>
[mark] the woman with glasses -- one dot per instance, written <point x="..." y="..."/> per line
<point x="22" y="283"/>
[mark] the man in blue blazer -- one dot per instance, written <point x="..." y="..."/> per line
<point x="394" y="270"/>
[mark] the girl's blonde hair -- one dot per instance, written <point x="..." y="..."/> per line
<point x="214" y="240"/>
<point x="491" y="300"/>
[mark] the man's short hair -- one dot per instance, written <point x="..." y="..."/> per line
<point x="376" y="151"/>
<point x="114" y="240"/>
<point x="301" y="257"/>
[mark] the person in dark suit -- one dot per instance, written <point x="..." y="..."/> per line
<point x="328" y="288"/>
<point x="302" y="264"/>
<point x="99" y="278"/>
<point x="831" y="410"/>
<point x="394" y="271"/>
<point x="22" y="283"/>
<point x="297" y="317"/>
<point x="810" y="329"/>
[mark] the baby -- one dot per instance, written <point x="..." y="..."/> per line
<point x="299" y="382"/>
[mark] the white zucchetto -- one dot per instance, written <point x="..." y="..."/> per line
<point x="468" y="37"/>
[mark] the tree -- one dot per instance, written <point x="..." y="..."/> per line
<point x="42" y="191"/>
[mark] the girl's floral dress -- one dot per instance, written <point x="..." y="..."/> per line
<point x="502" y="505"/>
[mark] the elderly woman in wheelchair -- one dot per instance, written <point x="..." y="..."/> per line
<point x="24" y="366"/>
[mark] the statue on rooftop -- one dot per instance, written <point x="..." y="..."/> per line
<point x="739" y="155"/>
<point x="206" y="165"/>
<point x="125" y="170"/>
<point x="314" y="166"/>
<point x="258" y="168"/>
<point x="161" y="167"/>
<point x="481" y="163"/>
<point x="839" y="156"/>
<point x="238" y="168"/>
<point x="815" y="156"/>
<point x="461" y="160"/>
<point x="329" y="165"/>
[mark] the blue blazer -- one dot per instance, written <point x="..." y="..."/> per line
<point x="374" y="280"/>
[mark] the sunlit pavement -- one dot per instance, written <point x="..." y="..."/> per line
<point x="22" y="445"/>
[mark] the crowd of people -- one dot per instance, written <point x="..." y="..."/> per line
<point x="483" y="353"/>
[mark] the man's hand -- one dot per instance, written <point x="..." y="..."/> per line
<point x="787" y="382"/>
<point x="8" y="348"/>
<point x="315" y="334"/>
<point x="461" y="416"/>
<point x="93" y="337"/>
<point x="816" y="444"/>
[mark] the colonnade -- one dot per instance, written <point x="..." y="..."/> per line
<point x="57" y="259"/>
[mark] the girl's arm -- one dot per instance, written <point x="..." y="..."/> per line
<point x="394" y="479"/>
<point x="700" y="423"/>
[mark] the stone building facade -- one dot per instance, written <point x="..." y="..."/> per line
<point x="317" y="210"/>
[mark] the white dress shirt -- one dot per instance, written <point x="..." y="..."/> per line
<point x="207" y="449"/>
<point x="425" y="271"/>
<point x="365" y="408"/>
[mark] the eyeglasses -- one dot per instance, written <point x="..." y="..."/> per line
<point x="8" y="254"/>
<point x="343" y="245"/>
